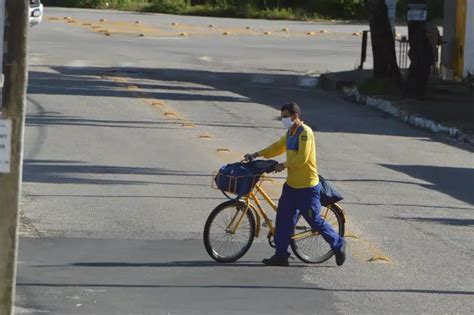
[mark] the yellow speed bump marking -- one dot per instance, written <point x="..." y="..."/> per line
<point x="323" y="31"/>
<point x="188" y="125"/>
<point x="183" y="34"/>
<point x="226" y="33"/>
<point x="96" y="26"/>
<point x="248" y="28"/>
<point x="103" y="20"/>
<point x="71" y="21"/>
<point x="170" y="114"/>
<point x="224" y="150"/>
<point x="107" y="34"/>
<point x="53" y="19"/>
<point x="138" y="22"/>
<point x="157" y="103"/>
<point x="103" y="31"/>
<point x="268" y="33"/>
<point x="141" y="35"/>
<point x="211" y="25"/>
<point x="86" y="24"/>
<point x="174" y="24"/>
<point x="68" y="18"/>
<point x="311" y="33"/>
<point x="378" y="258"/>
<point x="205" y="137"/>
<point x="119" y="79"/>
<point x="284" y="29"/>
<point x="356" y="34"/>
<point x="351" y="236"/>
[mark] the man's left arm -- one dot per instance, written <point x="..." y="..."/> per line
<point x="304" y="151"/>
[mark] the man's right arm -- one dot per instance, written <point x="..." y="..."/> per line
<point x="277" y="148"/>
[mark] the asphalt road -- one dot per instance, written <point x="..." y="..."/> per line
<point x="123" y="132"/>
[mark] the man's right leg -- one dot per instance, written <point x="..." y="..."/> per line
<point x="284" y="226"/>
<point x="284" y="223"/>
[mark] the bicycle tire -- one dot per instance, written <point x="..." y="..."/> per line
<point x="303" y="255"/>
<point x="210" y="245"/>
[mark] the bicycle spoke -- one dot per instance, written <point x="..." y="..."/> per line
<point x="313" y="247"/>
<point x="225" y="243"/>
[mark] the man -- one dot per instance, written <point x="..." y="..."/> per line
<point x="301" y="190"/>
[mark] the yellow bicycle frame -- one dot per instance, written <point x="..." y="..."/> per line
<point x="260" y="213"/>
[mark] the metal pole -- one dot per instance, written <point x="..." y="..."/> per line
<point x="363" y="54"/>
<point x="400" y="54"/>
<point x="14" y="99"/>
<point x="2" y="28"/>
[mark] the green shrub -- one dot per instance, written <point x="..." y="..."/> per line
<point x="268" y="9"/>
<point x="168" y="6"/>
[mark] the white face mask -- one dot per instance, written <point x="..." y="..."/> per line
<point x="287" y="122"/>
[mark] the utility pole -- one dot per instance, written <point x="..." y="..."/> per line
<point x="14" y="47"/>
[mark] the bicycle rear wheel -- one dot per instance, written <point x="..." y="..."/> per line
<point x="221" y="243"/>
<point x="308" y="245"/>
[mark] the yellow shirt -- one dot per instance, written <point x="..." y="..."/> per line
<point x="300" y="147"/>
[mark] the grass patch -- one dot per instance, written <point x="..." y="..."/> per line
<point x="262" y="9"/>
<point x="183" y="7"/>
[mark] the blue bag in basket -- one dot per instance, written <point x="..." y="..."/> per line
<point x="236" y="178"/>
<point x="240" y="178"/>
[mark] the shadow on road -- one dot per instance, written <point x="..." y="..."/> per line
<point x="180" y="264"/>
<point x="457" y="182"/>
<point x="199" y="85"/>
<point x="246" y="287"/>
<point x="75" y="172"/>
<point x="57" y="119"/>
<point x="447" y="221"/>
<point x="404" y="205"/>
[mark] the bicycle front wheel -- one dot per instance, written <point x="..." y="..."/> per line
<point x="308" y="245"/>
<point x="229" y="231"/>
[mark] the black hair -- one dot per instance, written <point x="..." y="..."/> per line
<point x="292" y="108"/>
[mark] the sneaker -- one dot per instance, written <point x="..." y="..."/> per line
<point x="276" y="261"/>
<point x="341" y="255"/>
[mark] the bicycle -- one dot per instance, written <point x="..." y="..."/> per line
<point x="233" y="225"/>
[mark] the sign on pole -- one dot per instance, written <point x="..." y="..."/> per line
<point x="5" y="145"/>
<point x="417" y="12"/>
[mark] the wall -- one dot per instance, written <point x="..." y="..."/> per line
<point x="449" y="38"/>
<point x="469" y="41"/>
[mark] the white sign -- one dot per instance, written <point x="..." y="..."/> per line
<point x="417" y="15"/>
<point x="417" y="12"/>
<point x="5" y="145"/>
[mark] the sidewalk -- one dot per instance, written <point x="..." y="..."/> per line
<point x="448" y="107"/>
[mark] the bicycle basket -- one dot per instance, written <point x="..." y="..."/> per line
<point x="236" y="179"/>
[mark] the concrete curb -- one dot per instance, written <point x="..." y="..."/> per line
<point x="386" y="106"/>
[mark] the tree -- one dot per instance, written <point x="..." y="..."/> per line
<point x="383" y="43"/>
<point x="421" y="52"/>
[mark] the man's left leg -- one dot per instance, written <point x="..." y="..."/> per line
<point x="284" y="226"/>
<point x="310" y="208"/>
